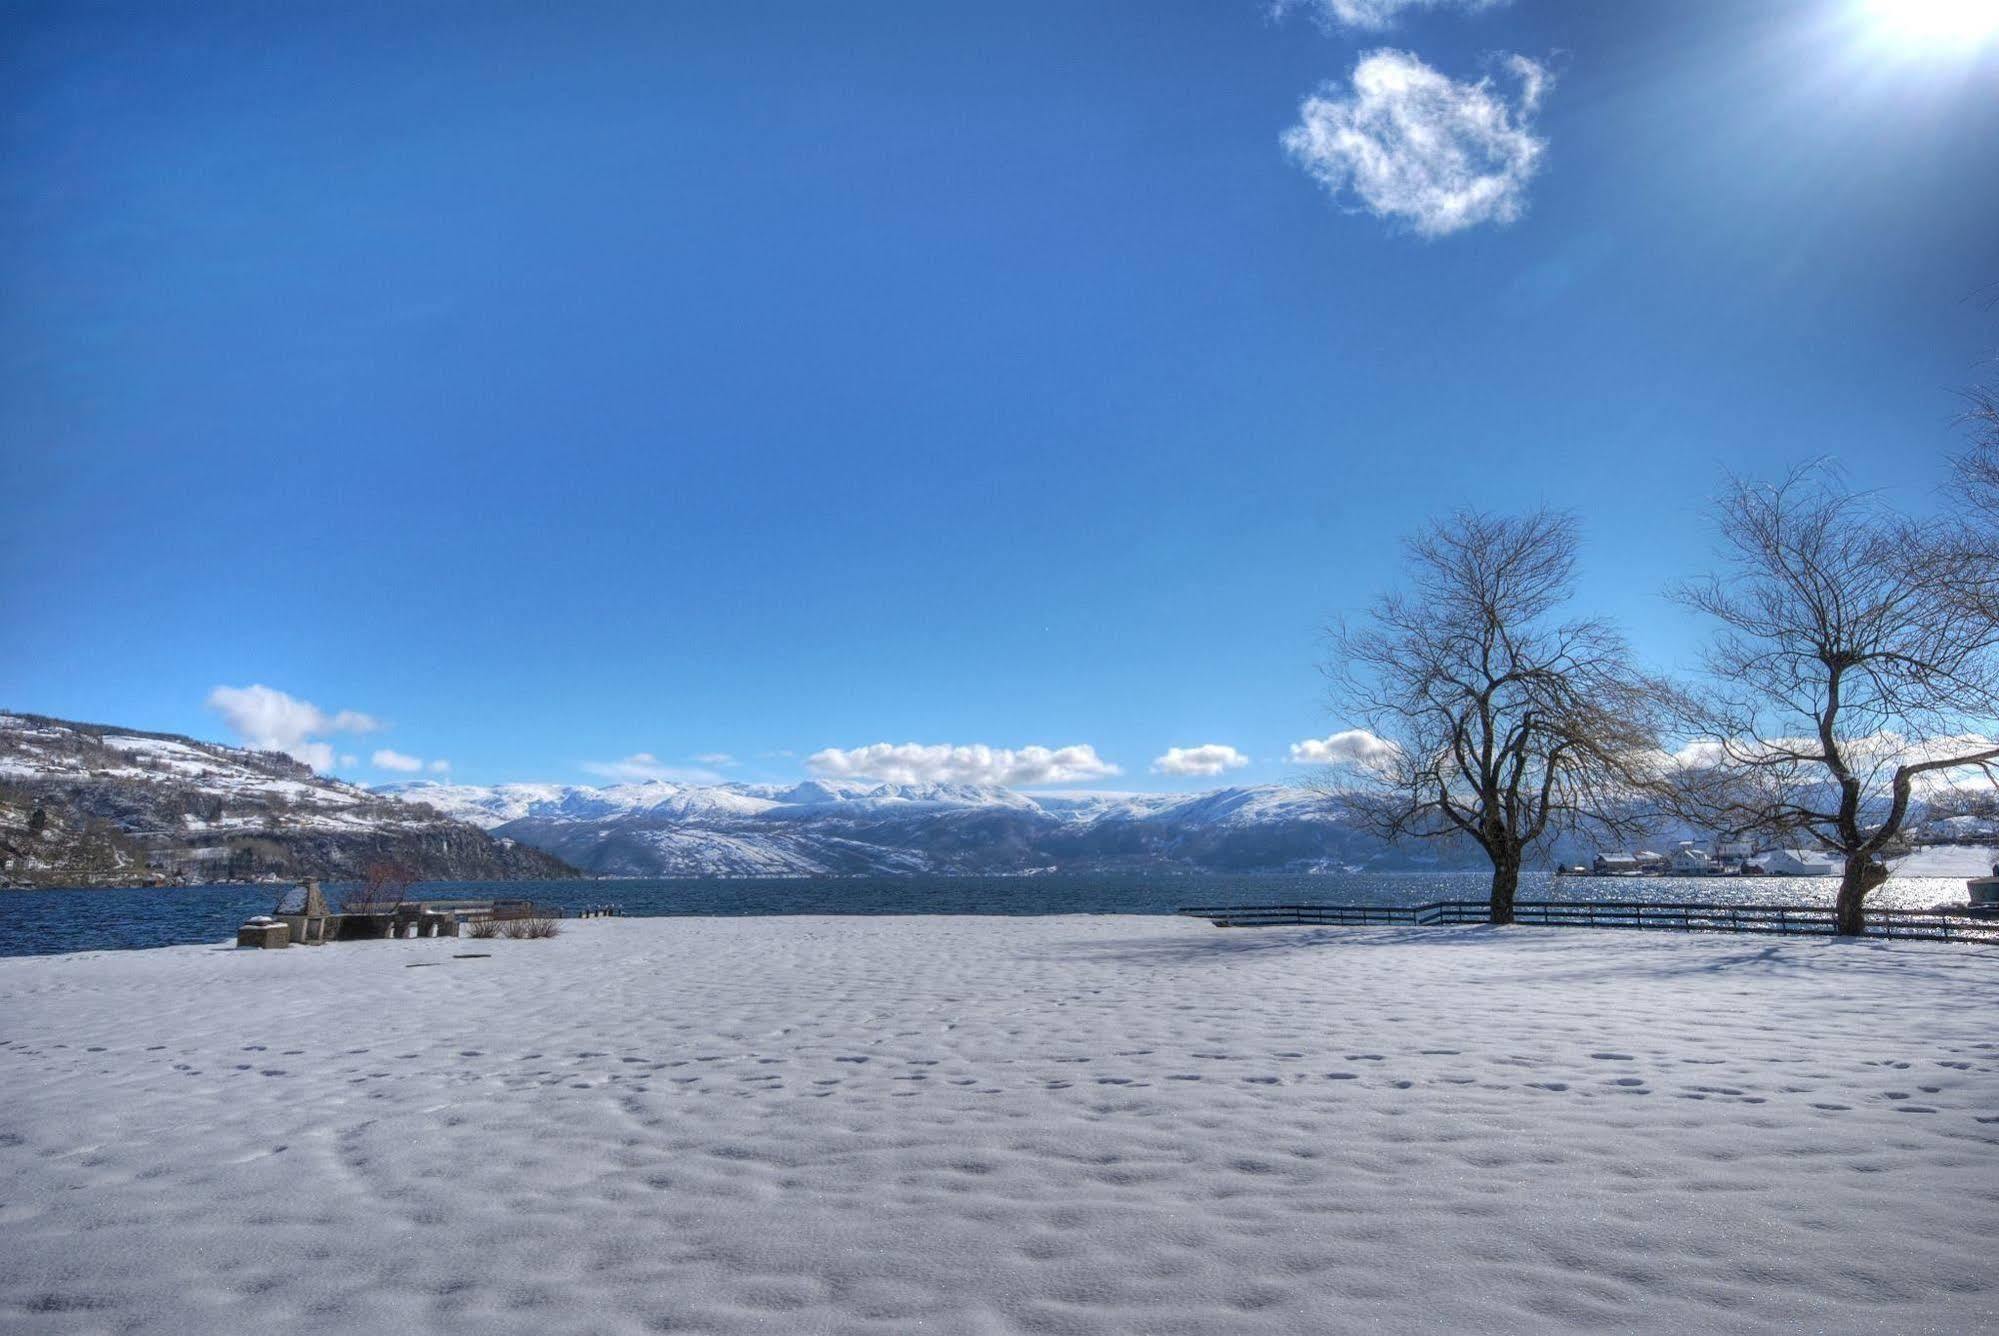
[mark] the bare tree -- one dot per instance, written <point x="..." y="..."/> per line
<point x="381" y="889"/>
<point x="1504" y="725"/>
<point x="1849" y="670"/>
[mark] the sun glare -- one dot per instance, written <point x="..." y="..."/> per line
<point x="1935" y="23"/>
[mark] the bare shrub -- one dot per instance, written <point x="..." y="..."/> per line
<point x="484" y="929"/>
<point x="381" y="890"/>
<point x="531" y="926"/>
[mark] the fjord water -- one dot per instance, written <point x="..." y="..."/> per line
<point x="50" y="921"/>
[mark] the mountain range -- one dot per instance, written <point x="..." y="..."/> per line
<point x="830" y="828"/>
<point x="91" y="804"/>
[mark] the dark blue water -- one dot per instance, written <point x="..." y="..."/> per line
<point x="41" y="922"/>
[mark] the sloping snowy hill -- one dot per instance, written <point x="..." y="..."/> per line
<point x="90" y="804"/>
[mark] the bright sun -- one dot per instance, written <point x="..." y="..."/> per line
<point x="1935" y="22"/>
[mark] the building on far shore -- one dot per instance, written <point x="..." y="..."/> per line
<point x="1798" y="863"/>
<point x="1690" y="860"/>
<point x="1629" y="865"/>
<point x="1735" y="857"/>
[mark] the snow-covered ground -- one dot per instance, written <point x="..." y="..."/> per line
<point x="1948" y="860"/>
<point x="997" y="1125"/>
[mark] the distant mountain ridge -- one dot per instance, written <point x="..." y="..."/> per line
<point x="92" y="804"/>
<point x="844" y="827"/>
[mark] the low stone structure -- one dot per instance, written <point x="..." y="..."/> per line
<point x="303" y="912"/>
<point x="263" y="932"/>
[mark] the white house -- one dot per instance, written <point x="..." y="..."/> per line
<point x="1733" y="857"/>
<point x="1798" y="863"/>
<point x="1689" y="860"/>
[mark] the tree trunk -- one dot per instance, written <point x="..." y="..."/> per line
<point x="1860" y="876"/>
<point x="1505" y="886"/>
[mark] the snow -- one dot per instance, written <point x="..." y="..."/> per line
<point x="492" y="806"/>
<point x="827" y="827"/>
<point x="1948" y="860"/>
<point x="54" y="752"/>
<point x="1001" y="1125"/>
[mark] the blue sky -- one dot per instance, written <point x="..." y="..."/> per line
<point x="548" y="386"/>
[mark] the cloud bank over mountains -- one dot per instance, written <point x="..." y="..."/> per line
<point x="269" y="720"/>
<point x="943" y="763"/>
<point x="1208" y="759"/>
<point x="1355" y="746"/>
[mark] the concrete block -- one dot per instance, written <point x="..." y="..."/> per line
<point x="264" y="935"/>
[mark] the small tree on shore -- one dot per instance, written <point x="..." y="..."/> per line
<point x="1500" y="723"/>
<point x="382" y="888"/>
<point x="1850" y="668"/>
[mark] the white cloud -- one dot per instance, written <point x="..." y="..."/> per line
<point x="1355" y="746"/>
<point x="1417" y="145"/>
<point x="440" y="766"/>
<point x="1208" y="759"/>
<point x="641" y="767"/>
<point x="715" y="758"/>
<point x="914" y="763"/>
<point x="1374" y="15"/>
<point x="348" y="760"/>
<point x="385" y="759"/>
<point x="270" y="720"/>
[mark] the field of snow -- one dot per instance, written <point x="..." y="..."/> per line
<point x="1952" y="861"/>
<point x="1000" y="1125"/>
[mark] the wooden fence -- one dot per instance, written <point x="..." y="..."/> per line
<point x="1936" y="925"/>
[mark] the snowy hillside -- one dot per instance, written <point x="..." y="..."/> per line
<point x="87" y="804"/>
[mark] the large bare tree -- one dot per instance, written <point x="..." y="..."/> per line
<point x="1852" y="666"/>
<point x="1505" y="723"/>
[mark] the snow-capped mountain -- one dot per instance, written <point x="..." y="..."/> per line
<point x="87" y="804"/>
<point x="827" y="827"/>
